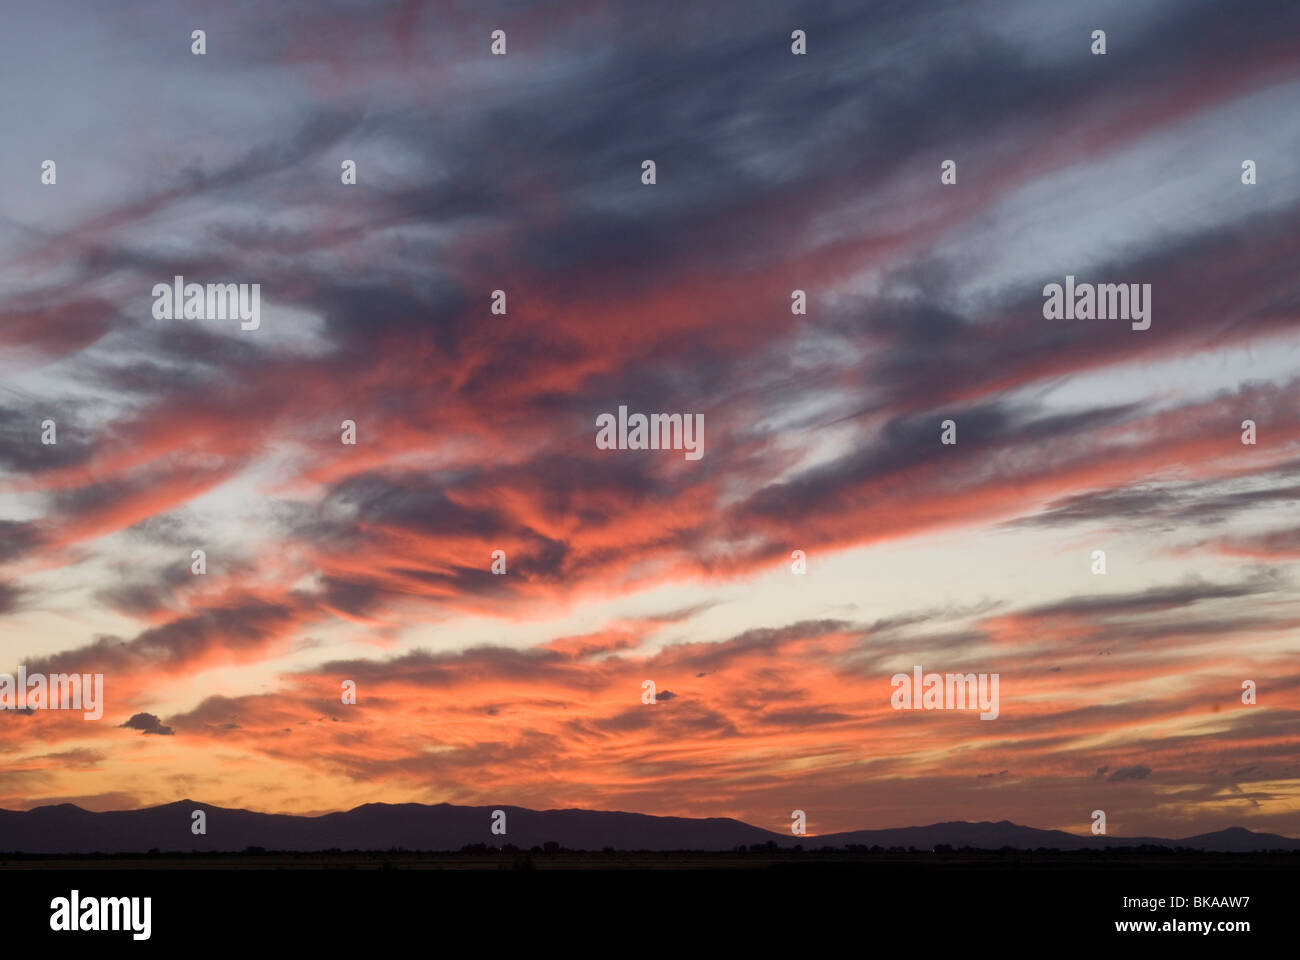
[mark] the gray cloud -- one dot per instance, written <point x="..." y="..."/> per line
<point x="147" y="723"/>
<point x="1136" y="772"/>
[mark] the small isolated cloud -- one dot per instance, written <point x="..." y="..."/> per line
<point x="148" y="723"/>
<point x="665" y="695"/>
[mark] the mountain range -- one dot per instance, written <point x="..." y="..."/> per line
<point x="68" y="829"/>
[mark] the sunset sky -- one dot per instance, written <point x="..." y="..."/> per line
<point x="476" y="432"/>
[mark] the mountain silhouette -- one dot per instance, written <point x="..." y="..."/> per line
<point x="1004" y="833"/>
<point x="68" y="829"/>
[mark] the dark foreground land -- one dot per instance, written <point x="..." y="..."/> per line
<point x="724" y="904"/>
<point x="1138" y="859"/>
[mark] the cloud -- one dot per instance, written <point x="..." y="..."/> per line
<point x="147" y="723"/>
<point x="1136" y="772"/>
<point x="776" y="173"/>
<point x="9" y="597"/>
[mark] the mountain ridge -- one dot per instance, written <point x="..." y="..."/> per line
<point x="66" y="828"/>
